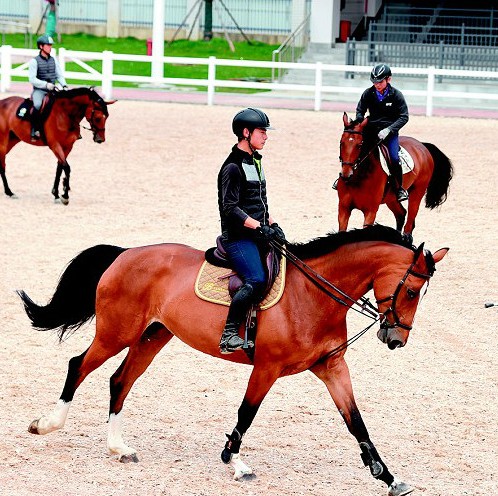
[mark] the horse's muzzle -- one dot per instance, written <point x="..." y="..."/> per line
<point x="392" y="336"/>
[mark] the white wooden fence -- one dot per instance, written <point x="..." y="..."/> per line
<point x="11" y="66"/>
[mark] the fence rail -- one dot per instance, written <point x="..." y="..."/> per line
<point x="107" y="76"/>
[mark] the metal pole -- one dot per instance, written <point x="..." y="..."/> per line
<point x="208" y="20"/>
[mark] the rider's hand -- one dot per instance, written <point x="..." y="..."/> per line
<point x="266" y="232"/>
<point x="383" y="133"/>
<point x="279" y="233"/>
<point x="50" y="86"/>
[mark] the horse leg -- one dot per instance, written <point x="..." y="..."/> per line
<point x="260" y="383"/>
<point x="334" y="373"/>
<point x="6" y="188"/>
<point x="343" y="216"/>
<point x="139" y="357"/>
<point x="65" y="184"/>
<point x="369" y="217"/>
<point x="79" y="367"/>
<point x="55" y="189"/>
<point x="397" y="209"/>
<point x="416" y="196"/>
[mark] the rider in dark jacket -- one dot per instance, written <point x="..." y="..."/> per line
<point x="246" y="223"/>
<point x="388" y="113"/>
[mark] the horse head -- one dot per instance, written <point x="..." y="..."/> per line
<point x="397" y="310"/>
<point x="96" y="114"/>
<point x="350" y="146"/>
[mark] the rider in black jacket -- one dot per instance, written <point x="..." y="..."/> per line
<point x="246" y="223"/>
<point x="388" y="113"/>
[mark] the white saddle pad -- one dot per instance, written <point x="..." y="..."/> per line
<point x="405" y="158"/>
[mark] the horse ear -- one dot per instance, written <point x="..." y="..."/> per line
<point x="440" y="254"/>
<point x="418" y="251"/>
<point x="111" y="102"/>
<point x="345" y="119"/>
<point x="364" y="122"/>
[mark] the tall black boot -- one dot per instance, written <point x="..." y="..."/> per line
<point x="35" y="124"/>
<point x="397" y="174"/>
<point x="230" y="340"/>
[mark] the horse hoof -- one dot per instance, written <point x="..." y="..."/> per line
<point x="13" y="196"/>
<point x="64" y="201"/>
<point x="398" y="488"/>
<point x="129" y="458"/>
<point x="33" y="427"/>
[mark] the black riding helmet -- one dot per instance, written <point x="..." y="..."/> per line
<point x="251" y="119"/>
<point x="380" y="72"/>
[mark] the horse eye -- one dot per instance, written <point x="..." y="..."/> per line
<point x="411" y="293"/>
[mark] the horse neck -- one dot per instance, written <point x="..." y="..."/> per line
<point x="75" y="106"/>
<point x="354" y="267"/>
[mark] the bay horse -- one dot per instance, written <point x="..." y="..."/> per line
<point x="61" y="129"/>
<point x="363" y="184"/>
<point x="142" y="297"/>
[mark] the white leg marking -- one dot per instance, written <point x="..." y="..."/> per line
<point x="240" y="467"/>
<point x="55" y="420"/>
<point x="115" y="442"/>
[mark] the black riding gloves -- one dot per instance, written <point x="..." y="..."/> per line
<point x="279" y="233"/>
<point x="272" y="233"/>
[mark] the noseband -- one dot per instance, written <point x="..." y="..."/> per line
<point x="385" y="324"/>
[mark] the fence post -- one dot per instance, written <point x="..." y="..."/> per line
<point x="211" y="79"/>
<point x="6" y="60"/>
<point x="107" y="68"/>
<point x="430" y="91"/>
<point x="318" y="85"/>
<point x="61" y="57"/>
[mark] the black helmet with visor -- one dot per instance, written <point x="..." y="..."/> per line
<point x="380" y="72"/>
<point x="250" y="118"/>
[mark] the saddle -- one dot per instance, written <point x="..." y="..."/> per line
<point x="23" y="112"/>
<point x="217" y="282"/>
<point x="405" y="158"/>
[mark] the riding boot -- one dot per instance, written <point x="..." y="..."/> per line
<point x="230" y="340"/>
<point x="35" y="124"/>
<point x="397" y="174"/>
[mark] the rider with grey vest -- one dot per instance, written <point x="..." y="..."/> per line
<point x="388" y="113"/>
<point x="246" y="224"/>
<point x="44" y="72"/>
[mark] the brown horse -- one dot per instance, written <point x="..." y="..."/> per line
<point x="60" y="130"/>
<point x="363" y="184"/>
<point x="143" y="297"/>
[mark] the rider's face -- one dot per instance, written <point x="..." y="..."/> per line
<point x="380" y="87"/>
<point x="46" y="49"/>
<point x="258" y="138"/>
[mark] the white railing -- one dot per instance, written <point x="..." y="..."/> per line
<point x="107" y="77"/>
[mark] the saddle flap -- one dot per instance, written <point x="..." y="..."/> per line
<point x="407" y="163"/>
<point x="24" y="110"/>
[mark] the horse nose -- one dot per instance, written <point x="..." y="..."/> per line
<point x="392" y="345"/>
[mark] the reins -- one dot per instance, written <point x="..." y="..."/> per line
<point x="365" y="307"/>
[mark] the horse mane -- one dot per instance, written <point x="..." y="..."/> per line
<point x="332" y="241"/>
<point x="84" y="91"/>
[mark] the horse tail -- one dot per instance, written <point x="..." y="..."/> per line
<point x="437" y="190"/>
<point x="73" y="302"/>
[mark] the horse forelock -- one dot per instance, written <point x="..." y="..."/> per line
<point x="332" y="241"/>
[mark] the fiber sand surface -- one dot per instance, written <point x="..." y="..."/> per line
<point x="430" y="407"/>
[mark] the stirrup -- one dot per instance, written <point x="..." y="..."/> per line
<point x="402" y="195"/>
<point x="334" y="186"/>
<point x="35" y="135"/>
<point x="232" y="342"/>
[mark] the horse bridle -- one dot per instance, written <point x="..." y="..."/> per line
<point x="365" y="307"/>
<point x="354" y="165"/>
<point x="385" y="324"/>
